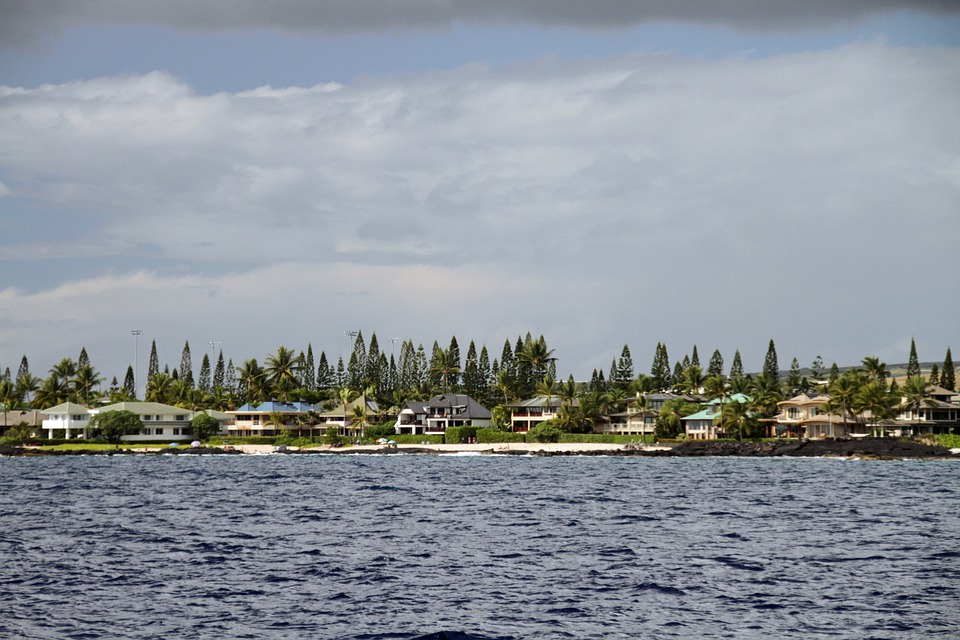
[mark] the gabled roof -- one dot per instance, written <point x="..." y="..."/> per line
<point x="806" y="398"/>
<point x="539" y="401"/>
<point x="736" y="397"/>
<point x="415" y="407"/>
<point x="338" y="410"/>
<point x="143" y="408"/>
<point x="473" y="409"/>
<point x="69" y="408"/>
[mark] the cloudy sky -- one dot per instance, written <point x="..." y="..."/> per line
<point x="716" y="173"/>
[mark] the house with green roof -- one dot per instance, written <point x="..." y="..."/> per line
<point x="66" y="420"/>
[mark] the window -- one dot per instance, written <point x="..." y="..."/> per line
<point x="181" y="417"/>
<point x="146" y="418"/>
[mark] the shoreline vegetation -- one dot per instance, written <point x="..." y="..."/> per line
<point x="861" y="448"/>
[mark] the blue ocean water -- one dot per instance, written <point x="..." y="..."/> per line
<point x="377" y="547"/>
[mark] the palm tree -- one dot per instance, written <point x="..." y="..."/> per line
<point x="26" y="386"/>
<point x="505" y="384"/>
<point x="254" y="381"/>
<point x="445" y="366"/>
<point x="875" y="369"/>
<point x="737" y="416"/>
<point x="538" y="357"/>
<point x="640" y="405"/>
<point x="53" y="391"/>
<point x="843" y="392"/>
<point x="278" y="421"/>
<point x="914" y="394"/>
<point x="692" y="379"/>
<point x="359" y="420"/>
<point x="84" y="381"/>
<point x="158" y="388"/>
<point x="282" y="370"/>
<point x="875" y="398"/>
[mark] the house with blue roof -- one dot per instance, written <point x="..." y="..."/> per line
<point x="269" y="418"/>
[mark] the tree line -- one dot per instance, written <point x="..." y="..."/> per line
<point x="524" y="368"/>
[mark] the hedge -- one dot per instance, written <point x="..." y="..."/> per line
<point x="409" y="438"/>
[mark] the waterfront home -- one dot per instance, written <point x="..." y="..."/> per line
<point x="439" y="412"/>
<point x="631" y="423"/>
<point x="938" y="414"/>
<point x="267" y="418"/>
<point x="704" y="424"/>
<point x="341" y="415"/>
<point x="66" y="420"/>
<point x="160" y="421"/>
<point x="529" y="413"/>
<point x="798" y="412"/>
<point x="14" y="418"/>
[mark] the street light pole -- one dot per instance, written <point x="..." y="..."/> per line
<point x="136" y="333"/>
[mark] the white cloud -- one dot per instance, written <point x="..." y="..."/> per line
<point x="631" y="199"/>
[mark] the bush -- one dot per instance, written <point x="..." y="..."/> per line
<point x="377" y="431"/>
<point x="949" y="440"/>
<point x="608" y="438"/>
<point x="543" y="432"/>
<point x="456" y="435"/>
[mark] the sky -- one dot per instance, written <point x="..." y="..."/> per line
<point x="244" y="175"/>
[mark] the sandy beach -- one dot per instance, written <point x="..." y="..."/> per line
<point x="489" y="448"/>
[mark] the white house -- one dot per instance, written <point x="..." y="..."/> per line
<point x="66" y="420"/>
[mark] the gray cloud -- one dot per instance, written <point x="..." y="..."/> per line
<point x="632" y="199"/>
<point x="25" y="21"/>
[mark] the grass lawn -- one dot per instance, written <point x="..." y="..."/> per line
<point x="96" y="446"/>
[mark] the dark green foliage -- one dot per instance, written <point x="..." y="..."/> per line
<point x="715" y="368"/>
<point x="543" y="432"/>
<point x="453" y="358"/>
<point x="834" y="373"/>
<point x="204" y="426"/>
<point x="948" y="375"/>
<point x="186" y="366"/>
<point x="625" y="372"/>
<point x="83" y="360"/>
<point x="154" y="367"/>
<point x="660" y="369"/>
<point x="129" y="384"/>
<point x="771" y="369"/>
<point x="793" y="379"/>
<point x="694" y="358"/>
<point x="490" y="435"/>
<point x="309" y="370"/>
<point x="934" y="378"/>
<point x="203" y="382"/>
<point x="219" y="372"/>
<point x="736" y="367"/>
<point x="24" y="368"/>
<point x="913" y="365"/>
<point x="473" y="382"/>
<point x="111" y="426"/>
<point x="377" y="431"/>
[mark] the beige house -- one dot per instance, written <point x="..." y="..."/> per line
<point x="529" y="413"/>
<point x="160" y="421"/>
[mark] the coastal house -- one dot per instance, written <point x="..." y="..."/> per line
<point x="14" y="418"/>
<point x="66" y="420"/>
<point x="529" y="413"/>
<point x="268" y="418"/>
<point x="632" y="423"/>
<point x="439" y="412"/>
<point x="705" y="424"/>
<point x="341" y="415"/>
<point x="160" y="421"/>
<point x="797" y="417"/>
<point x="412" y="419"/>
<point x="938" y="414"/>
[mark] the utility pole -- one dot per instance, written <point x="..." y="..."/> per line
<point x="136" y="333"/>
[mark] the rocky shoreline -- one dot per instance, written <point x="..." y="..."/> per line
<point x="865" y="448"/>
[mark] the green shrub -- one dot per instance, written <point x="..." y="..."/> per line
<point x="543" y="432"/>
<point x="377" y="431"/>
<point x="949" y="440"/>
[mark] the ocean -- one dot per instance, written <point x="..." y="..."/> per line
<point x="480" y="547"/>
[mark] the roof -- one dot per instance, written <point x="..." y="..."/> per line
<point x="806" y="398"/>
<point x="141" y="408"/>
<point x="707" y="414"/>
<point x="539" y="401"/>
<point x="70" y="408"/>
<point x="339" y="412"/>
<point x="449" y="400"/>
<point x="736" y="397"/>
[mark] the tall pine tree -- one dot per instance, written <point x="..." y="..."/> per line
<point x="203" y="382"/>
<point x="219" y="372"/>
<point x="471" y="373"/>
<point x="715" y="368"/>
<point x="771" y="369"/>
<point x="129" y="386"/>
<point x="186" y="366"/>
<point x="309" y="370"/>
<point x="913" y="365"/>
<point x="154" y="367"/>
<point x="625" y="368"/>
<point x="736" y="367"/>
<point x="948" y="374"/>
